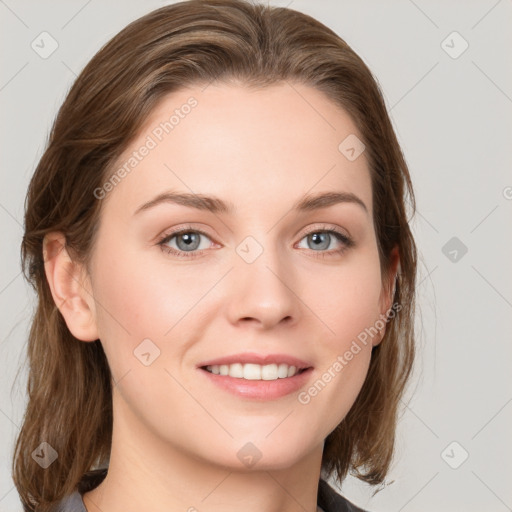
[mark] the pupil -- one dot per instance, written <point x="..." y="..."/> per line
<point x="188" y="240"/>
<point x="317" y="239"/>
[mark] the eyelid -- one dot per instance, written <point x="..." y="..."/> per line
<point x="161" y="239"/>
<point x="327" y="227"/>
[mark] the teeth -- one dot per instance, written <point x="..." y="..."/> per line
<point x="251" y="371"/>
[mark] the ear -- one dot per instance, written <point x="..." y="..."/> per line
<point x="388" y="291"/>
<point x="70" y="287"/>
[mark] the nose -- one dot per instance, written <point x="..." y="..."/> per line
<point x="262" y="292"/>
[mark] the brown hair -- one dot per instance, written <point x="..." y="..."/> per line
<point x="187" y="43"/>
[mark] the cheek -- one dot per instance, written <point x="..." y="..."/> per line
<point x="347" y="300"/>
<point x="125" y="304"/>
<point x="349" y="307"/>
<point x="138" y="301"/>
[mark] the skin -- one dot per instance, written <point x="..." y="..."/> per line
<point x="176" y="436"/>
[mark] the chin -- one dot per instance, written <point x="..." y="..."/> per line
<point x="261" y="455"/>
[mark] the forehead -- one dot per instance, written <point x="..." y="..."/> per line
<point x="277" y="143"/>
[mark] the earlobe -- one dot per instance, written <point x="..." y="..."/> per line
<point x="388" y="291"/>
<point x="67" y="284"/>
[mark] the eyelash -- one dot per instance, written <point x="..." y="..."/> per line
<point x="346" y="241"/>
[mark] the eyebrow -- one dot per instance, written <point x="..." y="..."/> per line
<point x="216" y="205"/>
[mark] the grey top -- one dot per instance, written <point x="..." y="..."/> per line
<point x="71" y="503"/>
<point x="328" y="499"/>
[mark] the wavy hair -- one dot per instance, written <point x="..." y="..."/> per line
<point x="182" y="44"/>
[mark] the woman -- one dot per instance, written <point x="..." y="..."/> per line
<point x="218" y="238"/>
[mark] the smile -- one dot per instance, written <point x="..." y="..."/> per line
<point x="250" y="371"/>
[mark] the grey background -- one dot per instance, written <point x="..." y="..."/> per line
<point x="453" y="119"/>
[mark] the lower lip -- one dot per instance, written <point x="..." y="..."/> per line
<point x="259" y="389"/>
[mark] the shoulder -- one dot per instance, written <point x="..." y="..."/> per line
<point x="74" y="502"/>
<point x="330" y="501"/>
<point x="71" y="503"/>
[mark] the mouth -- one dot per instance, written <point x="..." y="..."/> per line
<point x="260" y="377"/>
<point x="262" y="383"/>
<point x="251" y="371"/>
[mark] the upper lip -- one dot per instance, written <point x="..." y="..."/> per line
<point x="261" y="359"/>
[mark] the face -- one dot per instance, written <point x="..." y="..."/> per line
<point x="252" y="274"/>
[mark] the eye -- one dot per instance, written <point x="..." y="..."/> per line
<point x="188" y="240"/>
<point x="322" y="239"/>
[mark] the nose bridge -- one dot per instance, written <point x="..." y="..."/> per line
<point x="262" y="284"/>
